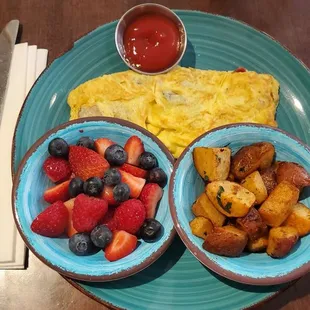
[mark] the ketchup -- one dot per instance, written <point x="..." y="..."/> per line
<point x="152" y="42"/>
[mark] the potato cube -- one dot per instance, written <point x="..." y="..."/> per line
<point x="226" y="241"/>
<point x="204" y="207"/>
<point x="212" y="164"/>
<point x="299" y="219"/>
<point x="230" y="198"/>
<point x="258" y="245"/>
<point x="281" y="241"/>
<point x="252" y="224"/>
<point x="278" y="206"/>
<point x="255" y="184"/>
<point x="201" y="226"/>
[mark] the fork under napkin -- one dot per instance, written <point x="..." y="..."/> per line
<point x="27" y="64"/>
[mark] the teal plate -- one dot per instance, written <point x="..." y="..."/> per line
<point x="177" y="280"/>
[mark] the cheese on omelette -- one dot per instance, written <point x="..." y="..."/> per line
<point x="180" y="105"/>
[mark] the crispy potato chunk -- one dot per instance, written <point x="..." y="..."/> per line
<point x="258" y="245"/>
<point x="201" y="226"/>
<point x="252" y="224"/>
<point x="269" y="177"/>
<point x="281" y="241"/>
<point x="299" y="219"/>
<point x="255" y="184"/>
<point x="278" y="206"/>
<point x="226" y="241"/>
<point x="204" y="207"/>
<point x="252" y="157"/>
<point x="230" y="198"/>
<point x="212" y="164"/>
<point x="293" y="173"/>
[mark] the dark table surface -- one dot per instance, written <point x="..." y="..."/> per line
<point x="55" y="25"/>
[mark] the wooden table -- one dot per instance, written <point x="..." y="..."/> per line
<point x="55" y="25"/>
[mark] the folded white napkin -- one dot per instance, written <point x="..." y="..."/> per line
<point x="27" y="64"/>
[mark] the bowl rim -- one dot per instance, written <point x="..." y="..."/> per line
<point x="198" y="252"/>
<point x="73" y="275"/>
<point x="172" y="12"/>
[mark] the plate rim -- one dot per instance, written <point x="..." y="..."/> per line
<point x="193" y="248"/>
<point x="91" y="278"/>
<point x="68" y="49"/>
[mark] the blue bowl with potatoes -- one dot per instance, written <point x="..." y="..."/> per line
<point x="239" y="199"/>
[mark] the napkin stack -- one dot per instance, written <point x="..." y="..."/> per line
<point x="27" y="64"/>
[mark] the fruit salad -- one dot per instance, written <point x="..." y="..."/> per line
<point x="105" y="196"/>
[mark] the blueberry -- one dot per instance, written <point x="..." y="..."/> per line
<point x="80" y="244"/>
<point x="147" y="161"/>
<point x="115" y="155"/>
<point x="59" y="148"/>
<point x="150" y="230"/>
<point x="93" y="186"/>
<point x="101" y="236"/>
<point x="86" y="142"/>
<point x="158" y="175"/>
<point x="121" y="192"/>
<point x="76" y="187"/>
<point x="112" y="177"/>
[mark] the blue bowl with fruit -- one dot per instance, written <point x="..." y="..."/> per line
<point x="90" y="199"/>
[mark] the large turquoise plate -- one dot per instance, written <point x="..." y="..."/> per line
<point x="177" y="280"/>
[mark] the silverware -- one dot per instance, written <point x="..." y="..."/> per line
<point x="7" y="42"/>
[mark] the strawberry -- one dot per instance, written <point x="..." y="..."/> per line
<point x="109" y="219"/>
<point x="102" y="144"/>
<point x="130" y="215"/>
<point x="135" y="171"/>
<point x="57" y="192"/>
<point x="69" y="204"/>
<point x="87" y="212"/>
<point x="57" y="169"/>
<point x="86" y="163"/>
<point x="240" y="69"/>
<point x="107" y="194"/>
<point x="150" y="196"/>
<point x="134" y="148"/>
<point x="135" y="184"/>
<point x="122" y="244"/>
<point x="52" y="221"/>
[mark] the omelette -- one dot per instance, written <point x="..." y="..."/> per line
<point x="180" y="105"/>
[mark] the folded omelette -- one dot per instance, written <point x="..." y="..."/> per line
<point x="180" y="105"/>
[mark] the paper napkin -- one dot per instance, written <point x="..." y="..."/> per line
<point x="27" y="64"/>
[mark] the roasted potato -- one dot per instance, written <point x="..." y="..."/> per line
<point x="212" y="164"/>
<point x="252" y="224"/>
<point x="226" y="241"/>
<point x="201" y="226"/>
<point x="230" y="198"/>
<point x="281" y="240"/>
<point x="293" y="173"/>
<point x="258" y="245"/>
<point x="231" y="177"/>
<point x="255" y="184"/>
<point x="269" y="177"/>
<point x="204" y="207"/>
<point x="278" y="206"/>
<point x="299" y="219"/>
<point x="257" y="156"/>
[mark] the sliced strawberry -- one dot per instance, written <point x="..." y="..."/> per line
<point x="59" y="192"/>
<point x="86" y="163"/>
<point x="240" y="69"/>
<point x="150" y="196"/>
<point x="107" y="194"/>
<point x="122" y="244"/>
<point x="134" y="148"/>
<point x="102" y="144"/>
<point x="135" y="184"/>
<point x="52" y="221"/>
<point x="57" y="169"/>
<point x="109" y="219"/>
<point x="135" y="171"/>
<point x="70" y="229"/>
